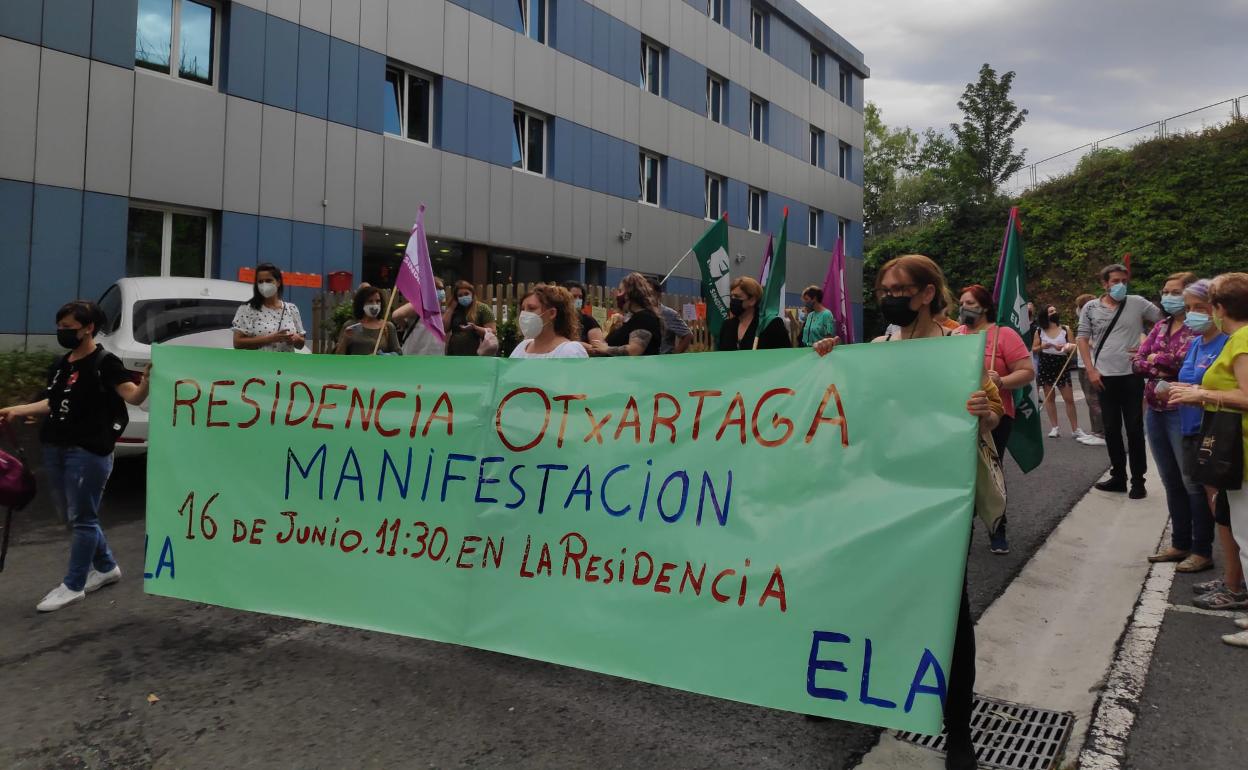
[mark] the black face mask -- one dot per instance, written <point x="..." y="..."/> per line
<point x="969" y="317"/>
<point x="67" y="338"/>
<point x="736" y="306"/>
<point x="897" y="311"/>
<point x="1053" y="318"/>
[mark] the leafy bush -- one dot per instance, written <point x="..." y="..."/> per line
<point x="23" y="376"/>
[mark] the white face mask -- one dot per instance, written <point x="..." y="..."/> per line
<point x="267" y="289"/>
<point x="580" y="303"/>
<point x="530" y="324"/>
<point x="372" y="311"/>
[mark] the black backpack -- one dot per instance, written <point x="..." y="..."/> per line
<point x="118" y="415"/>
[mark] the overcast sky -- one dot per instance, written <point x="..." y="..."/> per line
<point x="1086" y="68"/>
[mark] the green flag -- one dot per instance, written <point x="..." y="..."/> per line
<point x="1026" y="439"/>
<point x="712" y="252"/>
<point x="773" y="292"/>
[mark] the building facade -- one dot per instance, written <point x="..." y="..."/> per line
<point x="550" y="140"/>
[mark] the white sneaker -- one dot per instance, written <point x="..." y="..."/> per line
<point x="1242" y="623"/>
<point x="1078" y="434"/>
<point x="1091" y="440"/>
<point x="1237" y="640"/>
<point x="1055" y="433"/>
<point x="97" y="580"/>
<point x="59" y="597"/>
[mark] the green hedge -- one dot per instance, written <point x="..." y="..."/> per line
<point x="23" y="376"/>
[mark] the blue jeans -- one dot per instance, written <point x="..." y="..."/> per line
<point x="76" y="479"/>
<point x="1190" y="518"/>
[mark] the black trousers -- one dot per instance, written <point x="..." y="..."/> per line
<point x="1122" y="407"/>
<point x="1001" y="433"/>
<point x="960" y="697"/>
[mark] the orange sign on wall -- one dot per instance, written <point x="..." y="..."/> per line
<point x="292" y="279"/>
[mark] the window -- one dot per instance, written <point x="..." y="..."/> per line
<point x="715" y="10"/>
<point x="159" y="320"/>
<point x="649" y="168"/>
<point x="528" y="142"/>
<point x="816" y="147"/>
<point x="756" y="29"/>
<point x="846" y="84"/>
<point x="841" y="226"/>
<point x="651" y="68"/>
<point x="812" y="228"/>
<point x="755" y="213"/>
<point x="714" y="99"/>
<point x="178" y="38"/>
<point x="816" y="68"/>
<point x="842" y="165"/>
<point x="714" y="196"/>
<point x="758" y="112"/>
<point x="533" y="19"/>
<point x="168" y="243"/>
<point x="409" y="105"/>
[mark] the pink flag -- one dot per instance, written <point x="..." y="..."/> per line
<point x="835" y="297"/>
<point x="415" y="280"/>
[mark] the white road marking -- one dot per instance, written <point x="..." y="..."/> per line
<point x="1229" y="614"/>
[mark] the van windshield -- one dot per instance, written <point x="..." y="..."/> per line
<point x="160" y="320"/>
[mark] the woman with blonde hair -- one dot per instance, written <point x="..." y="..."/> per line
<point x="741" y="328"/>
<point x="549" y="323"/>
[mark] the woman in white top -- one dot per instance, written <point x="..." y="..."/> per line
<point x="266" y="321"/>
<point x="548" y="320"/>
<point x="1054" y="346"/>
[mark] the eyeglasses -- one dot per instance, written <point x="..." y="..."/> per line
<point x="901" y="290"/>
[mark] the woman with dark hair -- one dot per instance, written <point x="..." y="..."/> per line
<point x="819" y="322"/>
<point x="548" y="322"/>
<point x="1054" y="348"/>
<point x="591" y="330"/>
<point x="741" y="328"/>
<point x="84" y="411"/>
<point x="361" y="337"/>
<point x="266" y="321"/>
<point x="639" y="334"/>
<point x="467" y="322"/>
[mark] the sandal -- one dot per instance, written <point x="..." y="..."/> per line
<point x="1222" y="600"/>
<point x="1208" y="587"/>
<point x="1170" y="554"/>
<point x="1195" y="563"/>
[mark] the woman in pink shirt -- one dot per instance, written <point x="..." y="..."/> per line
<point x="1007" y="362"/>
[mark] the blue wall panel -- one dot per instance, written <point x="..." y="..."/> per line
<point x="506" y="13"/>
<point x="738" y="117"/>
<point x="239" y="241"/>
<point x="599" y="178"/>
<point x="281" y="62"/>
<point x="112" y="31"/>
<point x="854" y="238"/>
<point x="582" y="162"/>
<point x="501" y="130"/>
<point x="313" y="88"/>
<point x="67" y="26"/>
<point x="561" y="151"/>
<point x="686" y="82"/>
<point x="583" y="24"/>
<point x="22" y="19"/>
<point x="16" y="200"/>
<point x="563" y="27"/>
<point x="307" y="256"/>
<point x="344" y="74"/>
<point x="454" y="115"/>
<point x="372" y="91"/>
<point x="625" y="51"/>
<point x="479" y="119"/>
<point x="735" y="202"/>
<point x="273" y="242"/>
<point x="54" y="254"/>
<point x="600" y="51"/>
<point x="339" y="250"/>
<point x="104" y="220"/>
<point x="244" y="52"/>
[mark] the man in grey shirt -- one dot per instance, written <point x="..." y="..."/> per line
<point x="676" y="335"/>
<point x="1107" y="362"/>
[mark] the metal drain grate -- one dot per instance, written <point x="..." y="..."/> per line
<point x="1009" y="735"/>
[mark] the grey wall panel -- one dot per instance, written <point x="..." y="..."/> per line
<point x="714" y="151"/>
<point x="369" y="173"/>
<point x="179" y="144"/>
<point x="480" y="41"/>
<point x="582" y="93"/>
<point x="454" y="195"/>
<point x="620" y="92"/>
<point x="455" y="43"/>
<point x="561" y="222"/>
<point x="629" y="251"/>
<point x="373" y="24"/>
<point x="654" y="123"/>
<point x="286" y="9"/>
<point x="536" y="217"/>
<point x="277" y="163"/>
<point x="344" y="21"/>
<point x="316" y="14"/>
<point x="535" y="75"/>
<point x="412" y="177"/>
<point x="503" y="63"/>
<point x="19" y="93"/>
<point x="738" y="156"/>
<point x="241" y="183"/>
<point x="760" y="169"/>
<point x="501" y="197"/>
<point x="604" y="90"/>
<point x="340" y="176"/>
<point x="580" y="213"/>
<point x="680" y="133"/>
<point x="650" y="235"/>
<point x="694" y="31"/>
<point x="61" y="133"/>
<point x="614" y="247"/>
<point x="110" y="112"/>
<point x="415" y="33"/>
<point x="600" y="226"/>
<point x="630" y="115"/>
<point x="565" y="90"/>
<point x="656" y="22"/>
<point x="477" y="192"/>
<point x="309" y="176"/>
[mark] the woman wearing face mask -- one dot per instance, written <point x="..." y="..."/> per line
<point x="418" y="340"/>
<point x="591" y="330"/>
<point x="741" y="328"/>
<point x="360" y="338"/>
<point x="266" y="321"/>
<point x="911" y="290"/>
<point x="638" y="334"/>
<point x="1158" y="360"/>
<point x="548" y="321"/>
<point x="83" y="413"/>
<point x="819" y="323"/>
<point x="1054" y="345"/>
<point x="467" y="321"/>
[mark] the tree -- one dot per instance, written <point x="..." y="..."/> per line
<point x="985" y="139"/>
<point x="888" y="154"/>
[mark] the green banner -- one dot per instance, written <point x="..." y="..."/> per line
<point x="1026" y="444"/>
<point x="791" y="533"/>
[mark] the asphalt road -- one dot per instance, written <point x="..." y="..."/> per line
<point x="238" y="689"/>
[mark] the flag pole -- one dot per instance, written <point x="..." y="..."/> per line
<point x="678" y="263"/>
<point x="385" y="319"/>
<point x="1053" y="387"/>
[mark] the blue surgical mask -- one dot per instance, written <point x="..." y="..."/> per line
<point x="465" y="300"/>
<point x="1172" y="304"/>
<point x="441" y="295"/>
<point x="580" y="303"/>
<point x="1118" y="292"/>
<point x="1197" y="321"/>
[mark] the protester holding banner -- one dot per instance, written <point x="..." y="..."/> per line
<point x="361" y="337"/>
<point x="84" y="411"/>
<point x="1054" y="346"/>
<point x="640" y="332"/>
<point x="266" y="321"/>
<point x="419" y="339"/>
<point x="911" y="290"/>
<point x="468" y="322"/>
<point x="741" y="328"/>
<point x="548" y="322"/>
<point x="591" y="330"/>
<point x="819" y="323"/>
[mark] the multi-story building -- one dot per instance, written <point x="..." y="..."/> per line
<point x="550" y="139"/>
